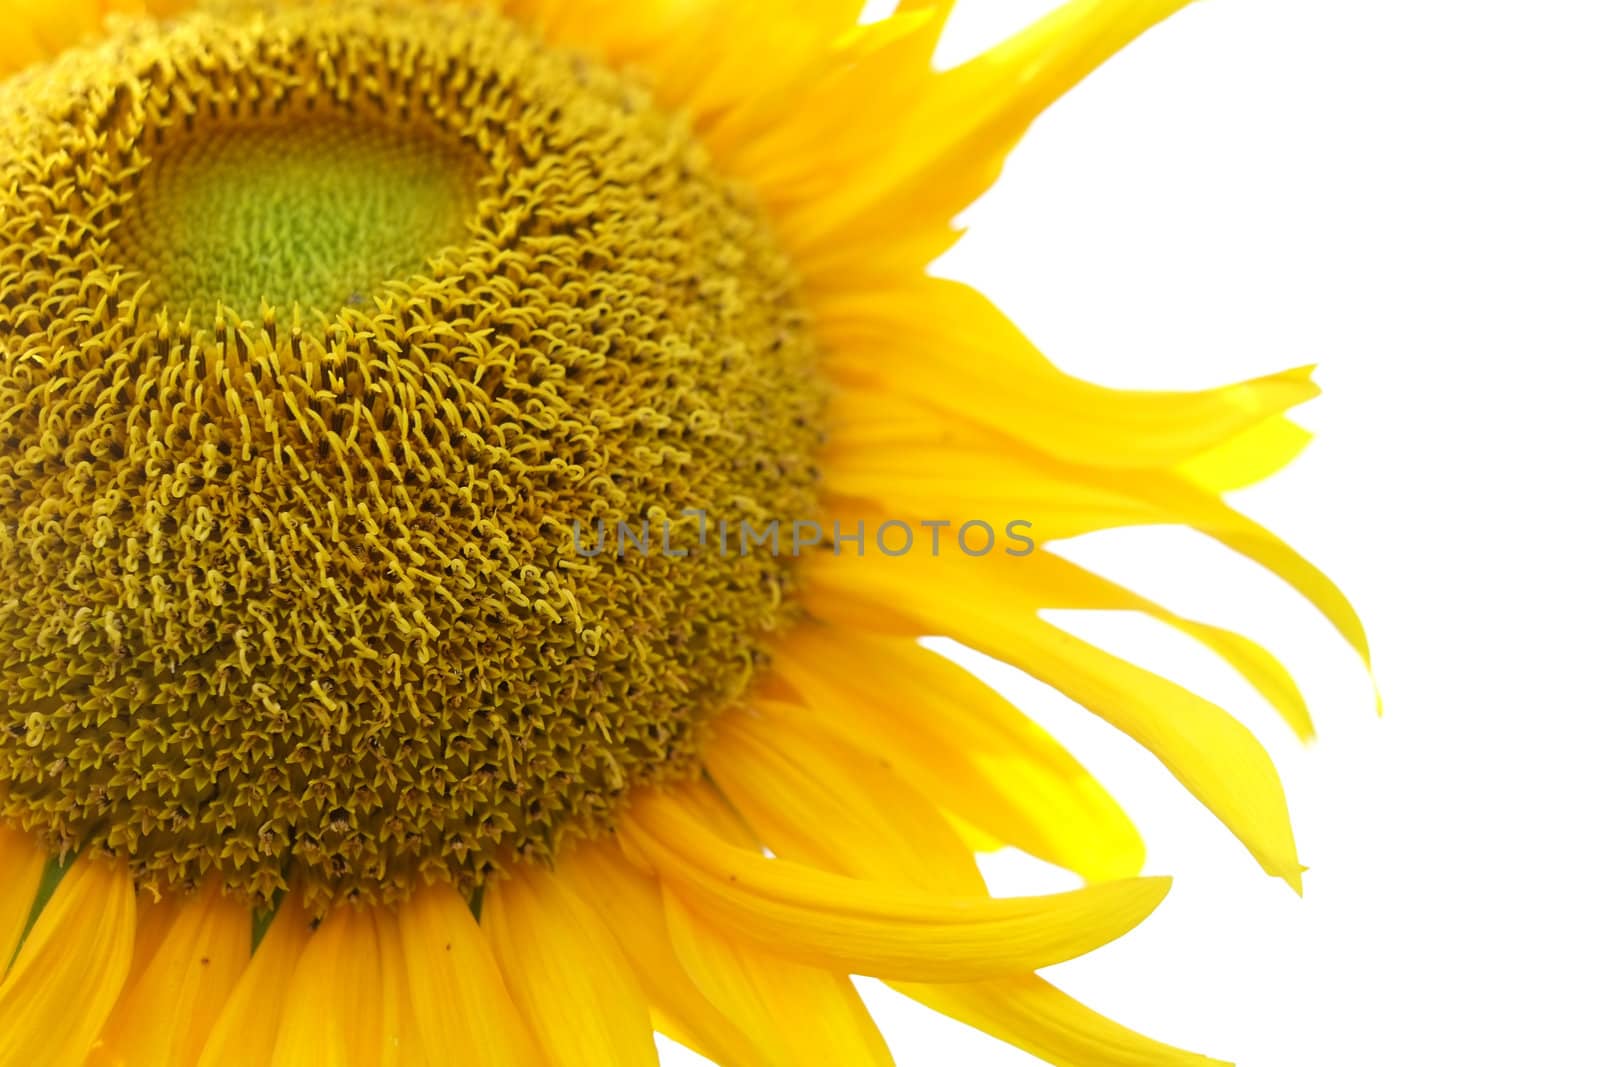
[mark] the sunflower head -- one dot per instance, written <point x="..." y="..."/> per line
<point x="379" y="384"/>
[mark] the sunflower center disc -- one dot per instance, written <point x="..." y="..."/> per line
<point x="328" y="336"/>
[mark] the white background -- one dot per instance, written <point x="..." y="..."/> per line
<point x="1405" y="192"/>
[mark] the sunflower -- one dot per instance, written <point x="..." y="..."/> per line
<point x="476" y="479"/>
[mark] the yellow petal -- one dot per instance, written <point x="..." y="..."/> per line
<point x="957" y="740"/>
<point x="975" y="839"/>
<point x="1257" y="543"/>
<point x="1255" y="665"/>
<point x="346" y="1004"/>
<point x="803" y="1015"/>
<point x="1052" y="582"/>
<point x="22" y="861"/>
<point x="164" y="1017"/>
<point x="1249" y="457"/>
<point x="66" y="979"/>
<point x="464" y="1015"/>
<point x="801" y="800"/>
<point x="919" y="354"/>
<point x="1032" y="1014"/>
<point x="865" y="928"/>
<point x="979" y="479"/>
<point x="1208" y="750"/>
<point x="792" y="143"/>
<point x="817" y="800"/>
<point x="629" y="901"/>
<point x="18" y="50"/>
<point x="399" y="1028"/>
<point x="941" y="9"/>
<point x="566" y="974"/>
<point x="37" y="29"/>
<point x="247" y="1029"/>
<point x="743" y="54"/>
<point x="972" y="475"/>
<point x="155" y="921"/>
<point x="937" y="160"/>
<point x="638" y="31"/>
<point x="765" y="51"/>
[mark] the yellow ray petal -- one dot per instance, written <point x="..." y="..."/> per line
<point x="565" y="972"/>
<point x="940" y="9"/>
<point x="399" y="1025"/>
<point x="952" y="148"/>
<point x="972" y="476"/>
<point x="940" y="350"/>
<point x="956" y="739"/>
<point x="1256" y="543"/>
<point x="791" y="144"/>
<point x="21" y="867"/>
<point x="980" y="480"/>
<point x="37" y="29"/>
<point x="1035" y="1016"/>
<point x="65" y="980"/>
<point x="803" y="1015"/>
<point x="164" y="1017"/>
<point x="760" y="52"/>
<point x="743" y="53"/>
<point x="1050" y="577"/>
<point x="19" y="50"/>
<point x="629" y="902"/>
<point x="1208" y="750"/>
<point x="798" y="790"/>
<point x="975" y="839"/>
<point x="1052" y="582"/>
<point x="711" y="807"/>
<point x="816" y="800"/>
<point x="464" y="1015"/>
<point x="155" y="922"/>
<point x="346" y="1004"/>
<point x="988" y="406"/>
<point x="1251" y="457"/>
<point x="247" y="1029"/>
<point x="1255" y="665"/>
<point x="779" y="53"/>
<point x="864" y="928"/>
<point x="800" y="1015"/>
<point x="621" y="33"/>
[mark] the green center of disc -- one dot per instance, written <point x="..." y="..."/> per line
<point x="313" y="213"/>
